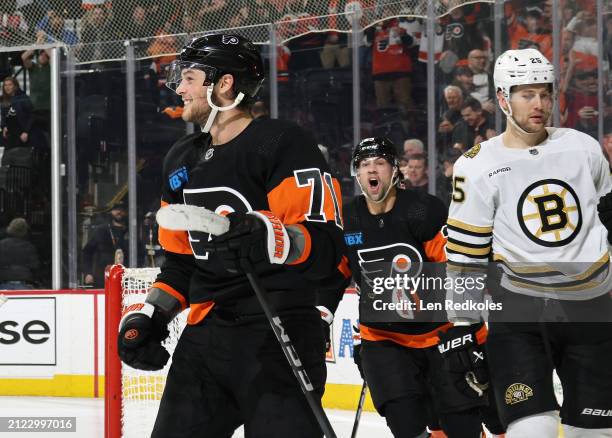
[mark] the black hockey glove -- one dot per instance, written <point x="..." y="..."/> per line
<point x="141" y="333"/>
<point x="357" y="359"/>
<point x="257" y="236"/>
<point x="604" y="209"/>
<point x="464" y="360"/>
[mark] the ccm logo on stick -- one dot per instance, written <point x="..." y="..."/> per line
<point x="34" y="332"/>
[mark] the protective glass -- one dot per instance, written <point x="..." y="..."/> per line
<point x="179" y="68"/>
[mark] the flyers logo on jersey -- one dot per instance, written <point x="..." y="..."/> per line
<point x="221" y="200"/>
<point x="549" y="213"/>
<point x="389" y="260"/>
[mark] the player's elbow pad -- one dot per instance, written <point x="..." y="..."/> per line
<point x="165" y="304"/>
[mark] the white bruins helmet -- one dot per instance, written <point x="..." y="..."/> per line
<point x="521" y="67"/>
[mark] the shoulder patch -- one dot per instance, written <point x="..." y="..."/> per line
<point x="472" y="152"/>
<point x="353" y="239"/>
<point x="178" y="178"/>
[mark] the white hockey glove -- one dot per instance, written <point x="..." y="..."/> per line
<point x="257" y="236"/>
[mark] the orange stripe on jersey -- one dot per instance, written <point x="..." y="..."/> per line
<point x="291" y="203"/>
<point x="171" y="291"/>
<point x="437" y="434"/>
<point x="422" y="340"/>
<point x="307" y="245"/>
<point x="344" y="267"/>
<point x="198" y="311"/>
<point x="173" y="241"/>
<point x="434" y="248"/>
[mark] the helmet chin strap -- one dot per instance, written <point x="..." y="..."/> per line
<point x="512" y="120"/>
<point x="214" y="109"/>
<point x="394" y="180"/>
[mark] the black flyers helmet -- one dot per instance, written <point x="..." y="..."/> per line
<point x="374" y="147"/>
<point x="217" y="54"/>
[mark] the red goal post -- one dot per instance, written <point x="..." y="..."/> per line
<point x="131" y="396"/>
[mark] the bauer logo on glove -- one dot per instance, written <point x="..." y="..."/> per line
<point x="464" y="359"/>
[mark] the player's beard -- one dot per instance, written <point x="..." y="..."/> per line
<point x="533" y="128"/>
<point x="198" y="111"/>
<point x="379" y="193"/>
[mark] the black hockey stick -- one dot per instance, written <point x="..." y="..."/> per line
<point x="362" y="396"/>
<point x="289" y="350"/>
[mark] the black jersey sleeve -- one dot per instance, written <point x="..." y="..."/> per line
<point x="179" y="264"/>
<point x="331" y="291"/>
<point x="302" y="193"/>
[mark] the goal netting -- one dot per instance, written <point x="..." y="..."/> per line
<point x="132" y="396"/>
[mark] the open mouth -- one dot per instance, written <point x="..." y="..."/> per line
<point x="187" y="101"/>
<point x="374" y="185"/>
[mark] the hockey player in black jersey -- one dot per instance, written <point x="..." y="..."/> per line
<point x="400" y="360"/>
<point x="270" y="179"/>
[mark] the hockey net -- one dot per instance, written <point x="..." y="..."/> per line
<point x="131" y="396"/>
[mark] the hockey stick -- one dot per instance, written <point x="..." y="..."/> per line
<point x="189" y="217"/>
<point x="193" y="218"/>
<point x="362" y="396"/>
<point x="290" y="353"/>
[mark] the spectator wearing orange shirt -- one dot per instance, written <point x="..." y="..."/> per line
<point x="531" y="34"/>
<point x="391" y="65"/>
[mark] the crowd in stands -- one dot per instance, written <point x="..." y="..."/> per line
<point x="314" y="80"/>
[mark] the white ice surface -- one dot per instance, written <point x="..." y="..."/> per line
<point x="90" y="417"/>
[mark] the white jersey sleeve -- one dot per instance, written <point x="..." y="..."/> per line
<point x="470" y="227"/>
<point x="471" y="214"/>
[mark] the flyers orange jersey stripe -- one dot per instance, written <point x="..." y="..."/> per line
<point x="344" y="267"/>
<point x="291" y="203"/>
<point x="423" y="340"/>
<point x="171" y="291"/>
<point x="198" y="311"/>
<point x="434" y="248"/>
<point x="174" y="241"/>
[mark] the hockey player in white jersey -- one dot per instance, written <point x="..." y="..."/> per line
<point x="527" y="199"/>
